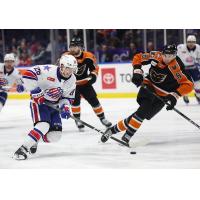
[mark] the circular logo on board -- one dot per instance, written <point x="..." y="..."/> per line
<point x="108" y="78"/>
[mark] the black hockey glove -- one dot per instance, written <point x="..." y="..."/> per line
<point x="93" y="78"/>
<point x="172" y="100"/>
<point x="137" y="78"/>
<point x="87" y="81"/>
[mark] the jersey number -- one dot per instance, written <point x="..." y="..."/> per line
<point x="37" y="70"/>
<point x="178" y="75"/>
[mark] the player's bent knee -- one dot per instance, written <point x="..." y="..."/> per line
<point x="43" y="127"/>
<point x="54" y="136"/>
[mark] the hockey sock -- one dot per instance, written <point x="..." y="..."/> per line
<point x="120" y="126"/>
<point x="131" y="123"/>
<point x="76" y="110"/>
<point x="34" y="135"/>
<point x="99" y="111"/>
<point x="127" y="135"/>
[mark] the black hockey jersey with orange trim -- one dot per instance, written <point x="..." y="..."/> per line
<point x="86" y="65"/>
<point x="164" y="78"/>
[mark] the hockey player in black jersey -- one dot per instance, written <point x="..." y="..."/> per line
<point x="86" y="76"/>
<point x="166" y="78"/>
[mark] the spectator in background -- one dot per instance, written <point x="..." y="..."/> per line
<point x="100" y="37"/>
<point x="127" y="38"/>
<point x="39" y="57"/>
<point x="61" y="45"/>
<point x="14" y="43"/>
<point x="150" y="46"/>
<point x="132" y="50"/>
<point x="114" y="42"/>
<point x="14" y="51"/>
<point x="1" y="50"/>
<point x="24" y="60"/>
<point x="22" y="48"/>
<point x="49" y="52"/>
<point x="104" y="54"/>
<point x="33" y="45"/>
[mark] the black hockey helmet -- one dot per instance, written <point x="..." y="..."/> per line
<point x="76" y="41"/>
<point x="169" y="49"/>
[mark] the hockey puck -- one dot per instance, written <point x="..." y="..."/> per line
<point x="133" y="152"/>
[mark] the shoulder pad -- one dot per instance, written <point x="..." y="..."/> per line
<point x="87" y="54"/>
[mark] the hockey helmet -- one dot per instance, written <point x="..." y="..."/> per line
<point x="69" y="61"/>
<point x="76" y="41"/>
<point x="9" y="57"/>
<point x="191" y="38"/>
<point x="169" y="49"/>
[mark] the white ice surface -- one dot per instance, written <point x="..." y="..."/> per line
<point x="173" y="142"/>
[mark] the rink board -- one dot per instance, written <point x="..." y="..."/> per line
<point x="114" y="81"/>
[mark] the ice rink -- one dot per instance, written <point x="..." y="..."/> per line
<point x="170" y="140"/>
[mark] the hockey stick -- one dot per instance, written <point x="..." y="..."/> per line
<point x="92" y="127"/>
<point x="176" y="110"/>
<point x="89" y="126"/>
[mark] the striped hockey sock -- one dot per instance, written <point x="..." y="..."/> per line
<point x="76" y="110"/>
<point x="131" y="124"/>
<point x="99" y="111"/>
<point x="35" y="134"/>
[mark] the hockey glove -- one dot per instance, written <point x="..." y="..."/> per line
<point x="38" y="96"/>
<point x="20" y="88"/>
<point x="89" y="80"/>
<point x="93" y="78"/>
<point x="65" y="111"/>
<point x="137" y="78"/>
<point x="171" y="98"/>
<point x="3" y="82"/>
<point x="83" y="81"/>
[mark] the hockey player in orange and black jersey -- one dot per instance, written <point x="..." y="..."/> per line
<point x="166" y="78"/>
<point x="86" y="76"/>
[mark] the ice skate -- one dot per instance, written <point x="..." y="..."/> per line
<point x="105" y="122"/>
<point x="106" y="135"/>
<point x="21" y="153"/>
<point x="80" y="126"/>
<point x="186" y="99"/>
<point x="33" y="149"/>
<point x="126" y="138"/>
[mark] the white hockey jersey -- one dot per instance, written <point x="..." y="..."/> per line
<point x="48" y="79"/>
<point x="189" y="58"/>
<point x="10" y="78"/>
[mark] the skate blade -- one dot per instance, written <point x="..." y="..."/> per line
<point x="15" y="157"/>
<point x="107" y="126"/>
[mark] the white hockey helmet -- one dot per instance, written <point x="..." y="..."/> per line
<point x="191" y="38"/>
<point x="9" y="57"/>
<point x="69" y="61"/>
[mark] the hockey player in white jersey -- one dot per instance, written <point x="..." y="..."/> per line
<point x="190" y="55"/>
<point x="48" y="85"/>
<point x="9" y="76"/>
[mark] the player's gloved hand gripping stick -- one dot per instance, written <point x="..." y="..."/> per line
<point x="169" y="105"/>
